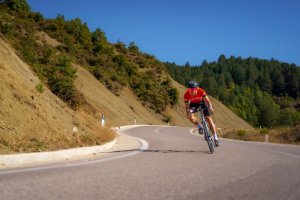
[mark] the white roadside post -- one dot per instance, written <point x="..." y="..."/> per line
<point x="75" y="130"/>
<point x="266" y="138"/>
<point x="102" y="120"/>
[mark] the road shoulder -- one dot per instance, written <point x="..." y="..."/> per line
<point x="120" y="143"/>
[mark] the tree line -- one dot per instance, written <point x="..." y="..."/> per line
<point x="262" y="92"/>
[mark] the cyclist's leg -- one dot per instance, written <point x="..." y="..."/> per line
<point x="210" y="122"/>
<point x="213" y="128"/>
<point x="193" y="119"/>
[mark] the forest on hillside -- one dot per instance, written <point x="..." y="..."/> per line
<point x="115" y="65"/>
<point x="263" y="92"/>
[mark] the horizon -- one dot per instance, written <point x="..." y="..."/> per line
<point x="191" y="31"/>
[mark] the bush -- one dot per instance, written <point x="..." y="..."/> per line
<point x="168" y="118"/>
<point x="264" y="131"/>
<point x="6" y="27"/>
<point x="61" y="81"/>
<point x="17" y="5"/>
<point x="241" y="133"/>
<point x="289" y="117"/>
<point x="40" y="88"/>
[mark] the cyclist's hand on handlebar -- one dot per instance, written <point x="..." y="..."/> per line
<point x="188" y="112"/>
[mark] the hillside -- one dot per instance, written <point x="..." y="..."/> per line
<point x="34" y="121"/>
<point x="58" y="78"/>
<point x="122" y="110"/>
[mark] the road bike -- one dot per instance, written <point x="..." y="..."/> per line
<point x="206" y="131"/>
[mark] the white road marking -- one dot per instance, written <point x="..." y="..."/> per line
<point x="157" y="131"/>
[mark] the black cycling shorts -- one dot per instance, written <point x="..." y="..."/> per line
<point x="194" y="106"/>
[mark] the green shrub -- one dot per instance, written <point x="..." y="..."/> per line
<point x="61" y="79"/>
<point x="264" y="131"/>
<point x="17" y="5"/>
<point x="6" y="27"/>
<point x="40" y="87"/>
<point x="241" y="133"/>
<point x="168" y="118"/>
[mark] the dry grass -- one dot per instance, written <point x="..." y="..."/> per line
<point x="277" y="135"/>
<point x="83" y="130"/>
<point x="286" y="135"/>
<point x="12" y="143"/>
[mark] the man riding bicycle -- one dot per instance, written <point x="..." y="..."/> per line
<point x="194" y="98"/>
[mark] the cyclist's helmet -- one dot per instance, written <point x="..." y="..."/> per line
<point x="193" y="84"/>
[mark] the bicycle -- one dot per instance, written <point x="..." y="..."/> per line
<point x="207" y="133"/>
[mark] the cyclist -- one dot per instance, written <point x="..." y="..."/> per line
<point x="194" y="98"/>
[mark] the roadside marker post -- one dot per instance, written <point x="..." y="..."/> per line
<point x="102" y="120"/>
<point x="266" y="138"/>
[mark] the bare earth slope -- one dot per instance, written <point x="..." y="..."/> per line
<point x="23" y="109"/>
<point x="123" y="110"/>
<point x="25" y="112"/>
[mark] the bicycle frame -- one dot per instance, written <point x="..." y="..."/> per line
<point x="207" y="133"/>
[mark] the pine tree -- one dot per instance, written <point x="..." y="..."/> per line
<point x="279" y="85"/>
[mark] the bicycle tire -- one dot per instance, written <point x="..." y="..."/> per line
<point x="207" y="133"/>
<point x="209" y="139"/>
<point x="210" y="145"/>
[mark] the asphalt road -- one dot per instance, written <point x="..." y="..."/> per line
<point x="171" y="164"/>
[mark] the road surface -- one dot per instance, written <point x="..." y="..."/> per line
<point x="169" y="163"/>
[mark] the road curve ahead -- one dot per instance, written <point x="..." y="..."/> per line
<point x="172" y="164"/>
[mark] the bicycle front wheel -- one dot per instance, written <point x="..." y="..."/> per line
<point x="211" y="144"/>
<point x="209" y="138"/>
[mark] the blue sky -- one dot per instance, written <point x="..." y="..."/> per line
<point x="183" y="31"/>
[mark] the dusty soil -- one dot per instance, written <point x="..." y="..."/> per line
<point x="26" y="114"/>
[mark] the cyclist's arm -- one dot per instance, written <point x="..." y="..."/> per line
<point x="187" y="105"/>
<point x="186" y="99"/>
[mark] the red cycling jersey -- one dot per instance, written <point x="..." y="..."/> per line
<point x="194" y="95"/>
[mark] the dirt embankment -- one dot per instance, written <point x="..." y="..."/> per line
<point x="37" y="121"/>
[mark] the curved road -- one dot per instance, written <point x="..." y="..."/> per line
<point x="172" y="164"/>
